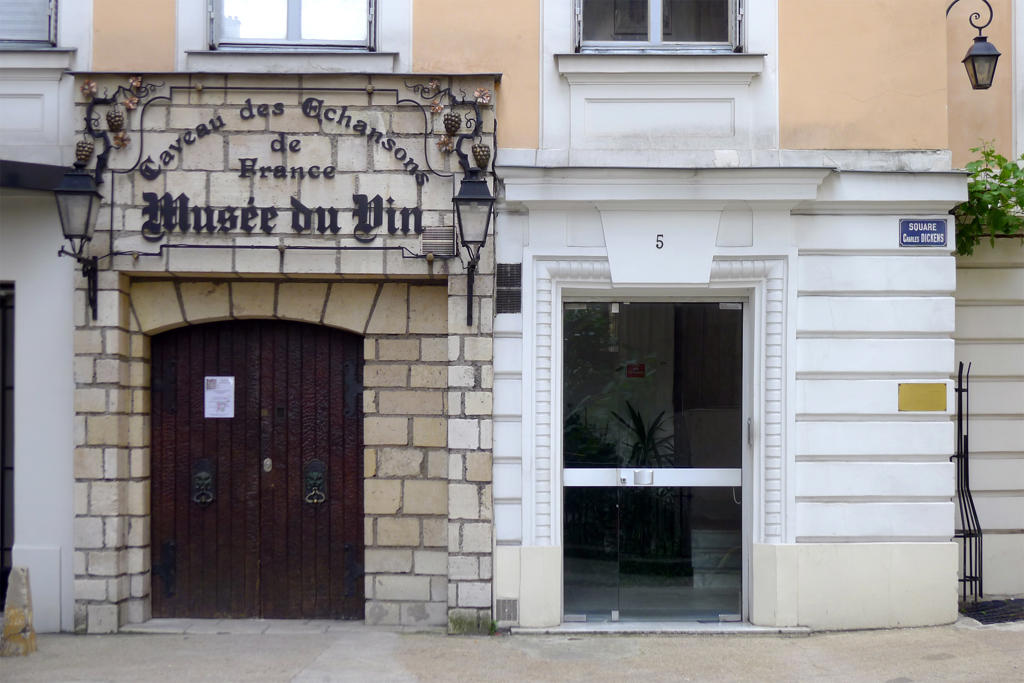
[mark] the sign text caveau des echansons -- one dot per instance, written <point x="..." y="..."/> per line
<point x="166" y="213"/>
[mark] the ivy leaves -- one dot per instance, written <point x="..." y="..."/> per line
<point x="995" y="201"/>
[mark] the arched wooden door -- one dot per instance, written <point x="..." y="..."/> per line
<point x="257" y="487"/>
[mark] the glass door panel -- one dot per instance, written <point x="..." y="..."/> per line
<point x="655" y="563"/>
<point x="591" y="553"/>
<point x="652" y="385"/>
<point x="680" y="554"/>
<point x="652" y="449"/>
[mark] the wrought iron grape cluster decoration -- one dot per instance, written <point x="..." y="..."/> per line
<point x="119" y="104"/>
<point x="447" y="101"/>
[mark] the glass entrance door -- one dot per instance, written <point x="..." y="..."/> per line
<point x="653" y="450"/>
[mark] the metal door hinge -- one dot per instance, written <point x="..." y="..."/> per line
<point x="750" y="431"/>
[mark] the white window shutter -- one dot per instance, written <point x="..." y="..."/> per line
<point x="28" y="21"/>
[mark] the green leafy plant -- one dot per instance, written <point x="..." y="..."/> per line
<point x="995" y="201"/>
<point x="649" y="443"/>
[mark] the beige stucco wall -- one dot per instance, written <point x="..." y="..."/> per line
<point x="502" y="37"/>
<point x="133" y="36"/>
<point x="977" y="116"/>
<point x="837" y="89"/>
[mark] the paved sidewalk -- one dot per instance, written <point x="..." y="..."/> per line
<point x="340" y="651"/>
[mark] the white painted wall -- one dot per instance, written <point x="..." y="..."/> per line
<point x="869" y="316"/>
<point x="43" y="400"/>
<point x="36" y="92"/>
<point x="858" y="485"/>
<point x="653" y="110"/>
<point x="37" y="125"/>
<point x="854" y="585"/>
<point x="990" y="335"/>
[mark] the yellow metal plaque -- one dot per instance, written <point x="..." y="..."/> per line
<point x="922" y="396"/>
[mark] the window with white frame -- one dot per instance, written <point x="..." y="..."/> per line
<point x="640" y="25"/>
<point x="28" y="22"/>
<point x="326" y="24"/>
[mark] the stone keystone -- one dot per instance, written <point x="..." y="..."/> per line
<point x="19" y="638"/>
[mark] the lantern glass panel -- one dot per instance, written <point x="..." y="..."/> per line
<point x="474" y="217"/>
<point x="981" y="70"/>
<point x="77" y="212"/>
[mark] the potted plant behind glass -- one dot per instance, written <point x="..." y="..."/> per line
<point x="649" y="447"/>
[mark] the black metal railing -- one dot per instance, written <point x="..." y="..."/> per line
<point x="6" y="435"/>
<point x="969" y="530"/>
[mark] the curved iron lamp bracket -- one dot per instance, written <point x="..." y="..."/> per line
<point x="976" y="16"/>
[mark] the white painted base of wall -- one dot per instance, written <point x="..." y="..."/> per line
<point x="854" y="585"/>
<point x="533" y="575"/>
<point x="824" y="586"/>
<point x="1002" y="558"/>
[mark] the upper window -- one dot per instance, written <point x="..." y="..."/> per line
<point x="28" y="22"/>
<point x="330" y="24"/>
<point x="657" y="24"/>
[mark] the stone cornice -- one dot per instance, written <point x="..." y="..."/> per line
<point x="712" y="185"/>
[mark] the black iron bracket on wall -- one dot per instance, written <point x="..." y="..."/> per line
<point x="969" y="533"/>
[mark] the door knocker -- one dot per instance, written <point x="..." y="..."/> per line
<point x="314" y="482"/>
<point x="203" y="492"/>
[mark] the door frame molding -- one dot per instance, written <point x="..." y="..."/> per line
<point x="761" y="281"/>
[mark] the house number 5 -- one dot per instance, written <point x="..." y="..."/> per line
<point x="659" y="241"/>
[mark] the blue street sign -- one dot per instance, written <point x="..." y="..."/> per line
<point x="922" y="232"/>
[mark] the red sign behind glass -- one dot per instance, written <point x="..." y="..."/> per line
<point x="636" y="370"/>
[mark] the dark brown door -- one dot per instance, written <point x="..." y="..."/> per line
<point x="259" y="514"/>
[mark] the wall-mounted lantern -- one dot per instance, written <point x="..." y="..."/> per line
<point x="981" y="58"/>
<point x="474" y="202"/>
<point x="473" y="206"/>
<point x="78" y="205"/>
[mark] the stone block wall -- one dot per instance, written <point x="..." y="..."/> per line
<point x="111" y="463"/>
<point x="405" y="496"/>
<point x="470" y="452"/>
<point x="406" y="404"/>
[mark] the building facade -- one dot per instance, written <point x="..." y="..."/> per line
<point x="702" y="369"/>
<point x="730" y="215"/>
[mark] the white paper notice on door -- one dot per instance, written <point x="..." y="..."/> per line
<point x="219" y="396"/>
